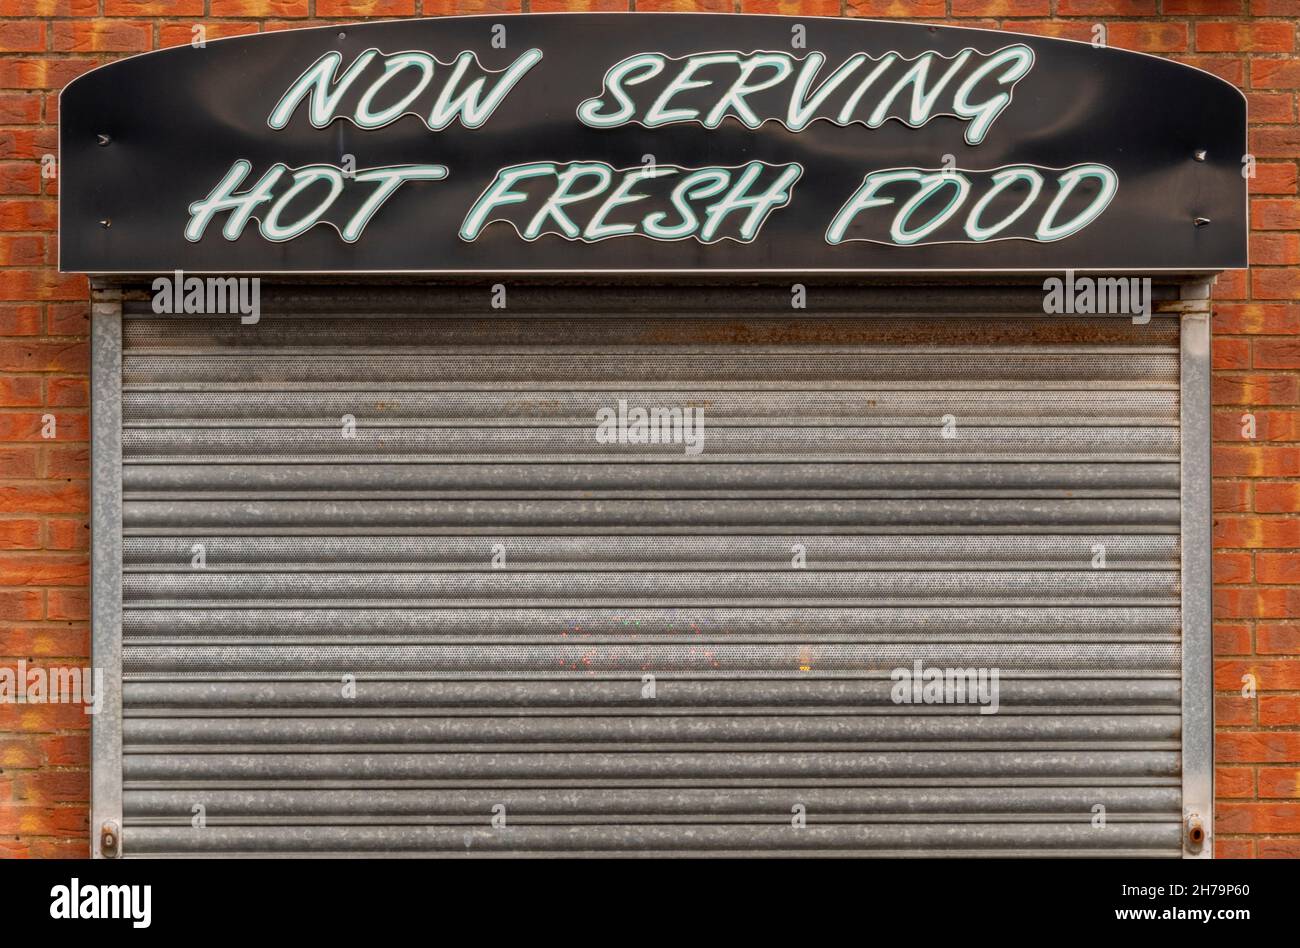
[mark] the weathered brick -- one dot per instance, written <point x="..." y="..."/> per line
<point x="1281" y="848"/>
<point x="45" y="641"/>
<point x="1275" y="249"/>
<point x="1275" y="283"/>
<point x="168" y="8"/>
<point x="1233" y="711"/>
<point x="42" y="569"/>
<point x="889" y="9"/>
<point x="42" y="73"/>
<point x="20" y="461"/>
<point x="22" y="751"/>
<point x="1233" y="37"/>
<point x="1232" y="496"/>
<point x="1105" y="8"/>
<point x="1231" y="638"/>
<point x="1279" y="783"/>
<point x="1228" y="353"/>
<point x="1271" y="353"/>
<point x="271" y="26"/>
<point x="1275" y="107"/>
<point x="21" y="177"/>
<point x="22" y="605"/>
<point x="20" y="390"/>
<point x="27" y="215"/>
<point x="187" y="34"/>
<point x="673" y="6"/>
<point x="1062" y="29"/>
<point x="362" y="8"/>
<point x="37" y="497"/>
<point x="1256" y="389"/>
<point x="1201" y="7"/>
<point x="1271" y="674"/>
<point x="20" y="108"/>
<point x="70" y="605"/>
<point x="1233" y="847"/>
<point x="789" y="7"/>
<point x="1232" y="568"/>
<point x="65" y="533"/>
<point x="1148" y="37"/>
<point x="48" y="8"/>
<point x="1268" y="426"/>
<point x="1278" y="568"/>
<point x="1256" y="602"/>
<point x="43" y="821"/>
<point x="66" y="461"/>
<point x="74" y="848"/>
<point x="1228" y="68"/>
<point x="68" y="319"/>
<point x="1258" y="818"/>
<point x="66" y="391"/>
<point x="1277" y="497"/>
<point x="1234" y="782"/>
<point x="1275" y="214"/>
<point x="102" y="36"/>
<point x="1275" y="73"/>
<point x="1232" y="285"/>
<point x="1279" y="711"/>
<point x="1255" y="460"/>
<point x="67" y="750"/>
<point x="1273" y="177"/>
<point x="1000" y="8"/>
<point x="19" y="319"/>
<point x="51" y="787"/>
<point x="20" y="534"/>
<point x="259" y="8"/>
<point x="1264" y="747"/>
<point x="1270" y="319"/>
<point x="22" y="36"/>
<point x="68" y="425"/>
<point x="1256" y="532"/>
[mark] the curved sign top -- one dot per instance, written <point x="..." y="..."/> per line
<point x="561" y="143"/>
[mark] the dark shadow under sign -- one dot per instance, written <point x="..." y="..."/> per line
<point x="650" y="142"/>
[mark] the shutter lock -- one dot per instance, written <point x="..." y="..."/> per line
<point x="1195" y="832"/>
<point x="110" y="840"/>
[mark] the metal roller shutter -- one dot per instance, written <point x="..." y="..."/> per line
<point x="647" y="671"/>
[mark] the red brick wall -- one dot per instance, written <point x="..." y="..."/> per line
<point x="43" y="364"/>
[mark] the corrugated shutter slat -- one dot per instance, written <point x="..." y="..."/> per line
<point x="648" y="671"/>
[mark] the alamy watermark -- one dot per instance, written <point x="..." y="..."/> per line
<point x="181" y="295"/>
<point x="922" y="685"/>
<point x="59" y="684"/>
<point x="1095" y="296"/>
<point x="75" y="901"/>
<point x="636" y="425"/>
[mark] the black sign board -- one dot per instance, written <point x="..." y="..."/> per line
<point x="649" y="142"/>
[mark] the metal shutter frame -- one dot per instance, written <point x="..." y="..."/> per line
<point x="570" y="773"/>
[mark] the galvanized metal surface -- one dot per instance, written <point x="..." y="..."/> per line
<point x="1198" y="631"/>
<point x="647" y="670"/>
<point x="106" y="568"/>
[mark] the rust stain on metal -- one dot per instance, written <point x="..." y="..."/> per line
<point x="984" y="330"/>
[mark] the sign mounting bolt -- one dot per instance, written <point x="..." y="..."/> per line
<point x="106" y="223"/>
<point x="1200" y="221"/>
<point x="1200" y="154"/>
<point x="103" y="139"/>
